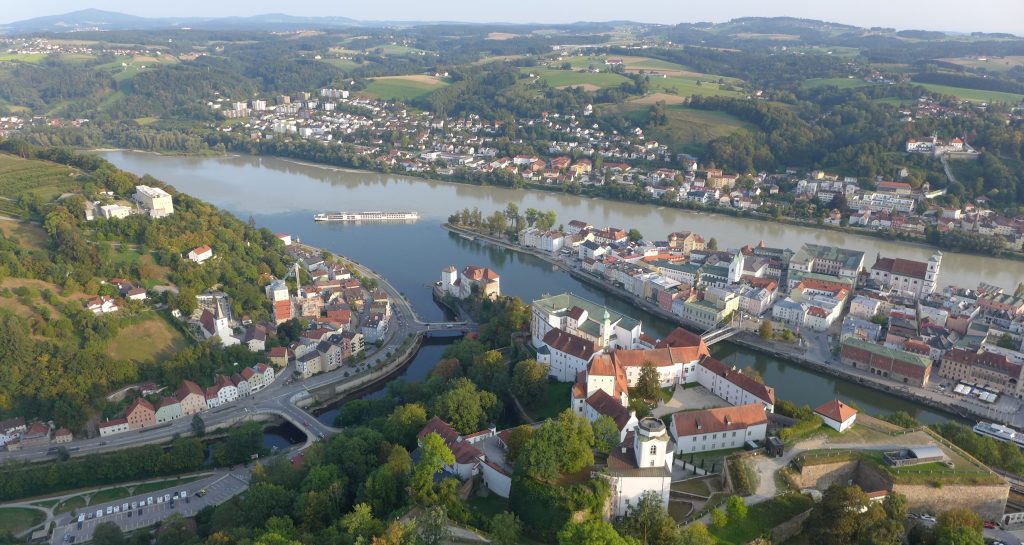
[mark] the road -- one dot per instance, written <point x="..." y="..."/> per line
<point x="218" y="488"/>
<point x="279" y="399"/>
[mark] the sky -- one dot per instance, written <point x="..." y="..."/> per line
<point x="947" y="15"/>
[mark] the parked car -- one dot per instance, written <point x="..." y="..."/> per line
<point x="991" y="525"/>
<point x="927" y="517"/>
<point x="159" y="499"/>
<point x="149" y="500"/>
<point x="110" y="509"/>
<point x="99" y="513"/>
<point x="124" y="506"/>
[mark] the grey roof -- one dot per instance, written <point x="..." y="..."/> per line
<point x="926" y="451"/>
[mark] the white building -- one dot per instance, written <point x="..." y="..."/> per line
<point x="200" y="254"/>
<point x="565" y="354"/>
<point x="115" y="211"/>
<point x="914" y="277"/>
<point x="719" y="428"/>
<point x="157" y="202"/>
<point x="837" y="415"/>
<point x="731" y="384"/>
<point x="642" y="463"/>
<point x="604" y="327"/>
<point x="111" y="427"/>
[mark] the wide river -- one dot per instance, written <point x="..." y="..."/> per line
<point x="283" y="195"/>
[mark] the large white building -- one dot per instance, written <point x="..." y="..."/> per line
<point x="719" y="428"/>
<point x="157" y="202"/>
<point x="486" y="282"/>
<point x="642" y="463"/>
<point x="914" y="277"/>
<point x="602" y="326"/>
<point x="825" y="260"/>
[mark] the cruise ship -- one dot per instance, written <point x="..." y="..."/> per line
<point x="365" y="216"/>
<point x="999" y="433"/>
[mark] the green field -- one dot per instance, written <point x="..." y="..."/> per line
<point x="344" y="64"/>
<point x="552" y="403"/>
<point x="973" y="95"/>
<point x="29" y="58"/>
<point x="629" y="62"/>
<point x="71" y="504"/>
<point x="160" y="485"/>
<point x="688" y="128"/>
<point x="401" y="88"/>
<point x="842" y="83"/>
<point x="569" y="78"/>
<point x="46" y="180"/>
<point x="762" y="517"/>
<point x="161" y="341"/>
<point x="688" y="86"/>
<point x="992" y="64"/>
<point x="109" y="494"/>
<point x="17" y="519"/>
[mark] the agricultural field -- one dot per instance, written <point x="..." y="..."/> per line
<point x="973" y="95"/>
<point x="161" y="341"/>
<point x="124" y="69"/>
<point x="697" y="85"/>
<point x="688" y="129"/>
<point x="842" y="83"/>
<point x="403" y="88"/>
<point x="45" y="180"/>
<point x="28" y="235"/>
<point x="992" y="64"/>
<point x="344" y="64"/>
<point x="628" y="62"/>
<point x="569" y="78"/>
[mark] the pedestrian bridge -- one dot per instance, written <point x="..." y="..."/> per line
<point x="720" y="334"/>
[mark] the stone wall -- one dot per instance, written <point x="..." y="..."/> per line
<point x="989" y="501"/>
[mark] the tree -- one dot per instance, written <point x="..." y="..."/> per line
<point x="895" y="506"/>
<point x="736" y="509"/>
<point x="434" y="455"/>
<point x="490" y="372"/>
<point x="529" y="381"/>
<point x="198" y="426"/>
<point x="712" y="243"/>
<point x="649" y="522"/>
<point x="648" y="385"/>
<point x="505" y="529"/>
<point x="766" y="330"/>
<point x="361" y="524"/>
<point x="840" y="515"/>
<point x="606" y="434"/>
<point x="517" y="440"/>
<point x="432" y="527"/>
<point x="719" y="519"/>
<point x="959" y="517"/>
<point x="590" y="532"/>
<point x="465" y="407"/>
<point x="958" y="536"/>
<point x="404" y="423"/>
<point x="558" y="446"/>
<point x="635" y="236"/>
<point x="108" y="533"/>
<point x="695" y="534"/>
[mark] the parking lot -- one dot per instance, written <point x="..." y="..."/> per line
<point x="152" y="507"/>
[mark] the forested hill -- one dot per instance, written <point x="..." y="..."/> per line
<point x="59" y="359"/>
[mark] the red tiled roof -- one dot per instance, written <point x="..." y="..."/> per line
<point x="440" y="427"/>
<point x="683" y="339"/>
<point x="720" y="419"/>
<point x="902" y="267"/>
<point x="836" y="410"/>
<point x="573" y="345"/>
<point x="767" y="393"/>
<point x="189" y="387"/>
<point x="606" y="405"/>
<point x="139" y="403"/>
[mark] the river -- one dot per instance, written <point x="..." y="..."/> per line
<point x="282" y="195"/>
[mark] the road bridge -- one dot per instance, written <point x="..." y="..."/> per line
<point x="718" y="335"/>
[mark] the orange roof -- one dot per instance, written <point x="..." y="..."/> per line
<point x="836" y="410"/>
<point x="767" y="393"/>
<point x="718" y="420"/>
<point x="681" y="338"/>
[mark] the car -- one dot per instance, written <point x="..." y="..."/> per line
<point x="117" y="508"/>
<point x="149" y="500"/>
<point x="72" y="540"/>
<point x="927" y="517"/>
<point x="135" y="504"/>
<point x="911" y="516"/>
<point x="90" y="516"/>
<point x="139" y="512"/>
<point x="159" y="499"/>
<point x="99" y="513"/>
<point x="175" y="496"/>
<point x="201" y="493"/>
<point x="124" y="506"/>
<point x="110" y="509"/>
<point x="167" y="497"/>
<point x="991" y="525"/>
<point x="183" y="494"/>
<point x="129" y="514"/>
<point x="171" y="503"/>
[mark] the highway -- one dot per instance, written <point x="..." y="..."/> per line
<point x="279" y="399"/>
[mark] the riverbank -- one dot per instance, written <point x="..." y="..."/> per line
<point x="746" y="339"/>
<point x="594" y="193"/>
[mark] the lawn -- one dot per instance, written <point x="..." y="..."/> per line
<point x="44" y="179"/>
<point x="29" y="57"/>
<point x="628" y="62"/>
<point x="403" y="88"/>
<point x="692" y="486"/>
<point x="842" y="83"/>
<point x="74" y="503"/>
<point x="761" y="518"/>
<point x="973" y="95"/>
<point x="688" y="129"/>
<point x="569" y="78"/>
<point x="487" y="508"/>
<point x="146" y="488"/>
<point x="555" y="400"/>
<point x="344" y="64"/>
<point x="18" y="519"/>
<point x="696" y="85"/>
<point x="109" y="494"/>
<point x="150" y="340"/>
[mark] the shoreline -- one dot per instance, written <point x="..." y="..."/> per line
<point x="727" y="212"/>
<point x="839" y="371"/>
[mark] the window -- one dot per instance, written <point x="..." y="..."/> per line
<point x="654" y="449"/>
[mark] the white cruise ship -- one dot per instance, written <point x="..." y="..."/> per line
<point x="999" y="433"/>
<point x="366" y="216"/>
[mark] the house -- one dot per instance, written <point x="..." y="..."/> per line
<point x="837" y="415"/>
<point x="914" y="277"/>
<point x="995" y="371"/>
<point x="102" y="305"/>
<point x="826" y="260"/>
<point x="480" y="280"/>
<point x="191" y="397"/>
<point x="719" y="428"/>
<point x="168" y="409"/>
<point x="285" y="238"/>
<point x="200" y="254"/>
<point x="731" y="384"/>
<point x="62" y="435"/>
<point x="140" y="414"/>
<point x="583" y="318"/>
<point x="255" y="338"/>
<point x="157" y="202"/>
<point x="565" y="354"/>
<point x="891" y="363"/>
<point x="308" y="364"/>
<point x="642" y="463"/>
<point x="36" y="434"/>
<point x="11" y="429"/>
<point x="111" y="427"/>
<point x="477" y="454"/>
<point x="279" y="357"/>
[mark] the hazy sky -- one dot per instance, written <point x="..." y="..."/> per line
<point x="952" y="15"/>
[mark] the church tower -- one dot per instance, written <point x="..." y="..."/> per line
<point x="736" y="268"/>
<point x="931" y="277"/>
<point x="650" y="443"/>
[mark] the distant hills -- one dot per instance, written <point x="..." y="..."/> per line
<point x="95" y="19"/>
